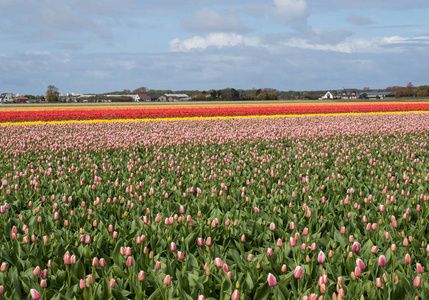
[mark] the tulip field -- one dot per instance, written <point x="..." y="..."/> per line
<point x="254" y="202"/>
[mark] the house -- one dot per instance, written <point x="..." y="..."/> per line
<point x="132" y="97"/>
<point x="21" y="100"/>
<point x="328" y="95"/>
<point x="376" y="95"/>
<point x="144" y="97"/>
<point x="7" y="98"/>
<point x="174" y="97"/>
<point x="349" y="94"/>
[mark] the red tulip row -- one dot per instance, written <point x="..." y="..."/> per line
<point x="137" y="113"/>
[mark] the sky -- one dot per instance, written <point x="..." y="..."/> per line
<point x="89" y="46"/>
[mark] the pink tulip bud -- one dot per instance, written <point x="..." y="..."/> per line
<point x="298" y="273"/>
<point x="102" y="262"/>
<point x="419" y="268"/>
<point x="43" y="284"/>
<point x="360" y="264"/>
<point x="407" y="258"/>
<point x="90" y="279"/>
<point x="200" y="242"/>
<point x="417" y="282"/>
<point x="180" y="255"/>
<point x="37" y="271"/>
<point x="356" y="247"/>
<point x="243" y="238"/>
<point x="382" y="261"/>
<point x="112" y="283"/>
<point x="292" y="226"/>
<point x="272" y="226"/>
<point x="35" y="295"/>
<point x="167" y="280"/>
<point x="235" y="295"/>
<point x="82" y="284"/>
<point x="129" y="262"/>
<point x="378" y="282"/>
<point x="173" y="247"/>
<point x="270" y="252"/>
<point x="343" y="230"/>
<point x="374" y="249"/>
<point x="272" y="281"/>
<point x="141" y="276"/>
<point x="201" y="297"/>
<point x="218" y="262"/>
<point x="158" y="265"/>
<point x="115" y="234"/>
<point x="209" y="241"/>
<point x="305" y="231"/>
<point x="279" y="243"/>
<point x="357" y="273"/>
<point x="321" y="258"/>
<point x="292" y="241"/>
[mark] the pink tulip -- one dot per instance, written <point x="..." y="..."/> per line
<point x="419" y="268"/>
<point x="167" y="280"/>
<point x="201" y="297"/>
<point x="360" y="264"/>
<point x="102" y="262"/>
<point x="279" y="243"/>
<point x="141" y="276"/>
<point x="298" y="273"/>
<point x="158" y="265"/>
<point x="321" y="258"/>
<point x="270" y="252"/>
<point x="272" y="281"/>
<point x="82" y="284"/>
<point x="180" y="255"/>
<point x="382" y="261"/>
<point x="292" y="226"/>
<point x="272" y="226"/>
<point x="112" y="283"/>
<point x="218" y="262"/>
<point x="292" y="241"/>
<point x="378" y="282"/>
<point x="417" y="282"/>
<point x="209" y="241"/>
<point x="35" y="295"/>
<point x="37" y="271"/>
<point x="200" y="242"/>
<point x="173" y="247"/>
<point x="407" y="258"/>
<point x="235" y="295"/>
<point x="129" y="262"/>
<point x="356" y="247"/>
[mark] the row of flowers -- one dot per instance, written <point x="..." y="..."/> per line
<point x="275" y="208"/>
<point x="172" y="112"/>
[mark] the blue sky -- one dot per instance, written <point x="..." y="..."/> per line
<point x="100" y="46"/>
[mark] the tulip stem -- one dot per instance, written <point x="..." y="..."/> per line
<point x="90" y="288"/>
<point x="393" y="262"/>
<point x="68" y="274"/>
<point x="275" y="297"/>
<point x="166" y="290"/>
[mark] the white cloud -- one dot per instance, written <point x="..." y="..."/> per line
<point x="218" y="40"/>
<point x="290" y="10"/>
<point x="208" y="20"/>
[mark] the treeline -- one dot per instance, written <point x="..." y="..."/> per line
<point x="410" y="90"/>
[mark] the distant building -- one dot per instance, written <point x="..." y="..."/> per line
<point x="174" y="97"/>
<point x="376" y="95"/>
<point x="7" y="98"/>
<point x="328" y="95"/>
<point x="350" y="94"/>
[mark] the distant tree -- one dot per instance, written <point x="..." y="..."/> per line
<point x="52" y="94"/>
<point x="422" y="91"/>
<point x="140" y="90"/>
<point x="230" y="94"/>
